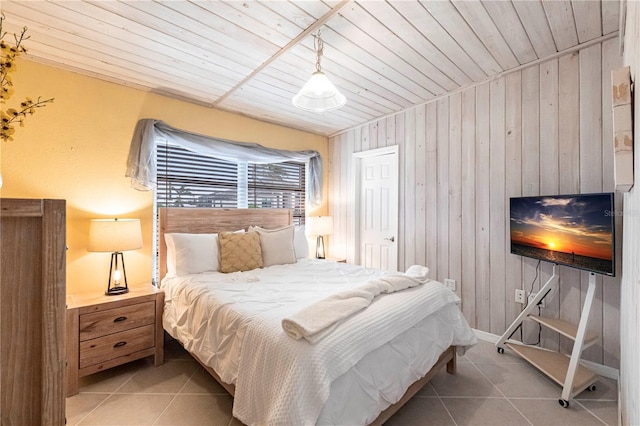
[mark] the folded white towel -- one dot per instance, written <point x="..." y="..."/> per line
<point x="419" y="272"/>
<point x="319" y="319"/>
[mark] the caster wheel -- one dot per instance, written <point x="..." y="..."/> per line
<point x="563" y="402"/>
<point x="500" y="350"/>
<point x="592" y="388"/>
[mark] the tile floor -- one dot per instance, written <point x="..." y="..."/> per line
<point x="488" y="389"/>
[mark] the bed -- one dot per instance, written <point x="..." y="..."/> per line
<point x="362" y="372"/>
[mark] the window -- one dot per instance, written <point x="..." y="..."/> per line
<point x="188" y="179"/>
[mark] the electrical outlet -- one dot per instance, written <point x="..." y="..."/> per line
<point x="519" y="297"/>
<point x="532" y="296"/>
<point x="450" y="284"/>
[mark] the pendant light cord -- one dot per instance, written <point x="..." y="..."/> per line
<point x="319" y="45"/>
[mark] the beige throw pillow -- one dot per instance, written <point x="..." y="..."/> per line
<point x="239" y="252"/>
<point x="277" y="245"/>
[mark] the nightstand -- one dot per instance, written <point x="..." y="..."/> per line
<point x="334" y="259"/>
<point x="106" y="331"/>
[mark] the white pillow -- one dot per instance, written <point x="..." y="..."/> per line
<point x="192" y="253"/>
<point x="277" y="245"/>
<point x="300" y="243"/>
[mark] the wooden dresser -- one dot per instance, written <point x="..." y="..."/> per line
<point x="32" y="307"/>
<point x="106" y="331"/>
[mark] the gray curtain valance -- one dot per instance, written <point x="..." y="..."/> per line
<point x="142" y="168"/>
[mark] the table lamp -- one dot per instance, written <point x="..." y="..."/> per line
<point x="320" y="226"/>
<point x="115" y="236"/>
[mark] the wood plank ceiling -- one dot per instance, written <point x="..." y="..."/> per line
<point x="251" y="57"/>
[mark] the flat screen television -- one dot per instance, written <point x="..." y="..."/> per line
<point x="572" y="230"/>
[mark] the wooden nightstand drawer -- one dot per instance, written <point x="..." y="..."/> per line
<point x="107" y="331"/>
<point x="106" y="348"/>
<point x="115" y="320"/>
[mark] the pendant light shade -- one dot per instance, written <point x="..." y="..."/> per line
<point x="319" y="94"/>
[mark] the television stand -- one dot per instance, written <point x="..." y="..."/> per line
<point x="564" y="370"/>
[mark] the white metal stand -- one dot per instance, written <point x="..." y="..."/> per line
<point x="567" y="372"/>
<point x="579" y="343"/>
<point x="546" y="288"/>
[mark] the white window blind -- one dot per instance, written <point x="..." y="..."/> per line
<point x="188" y="179"/>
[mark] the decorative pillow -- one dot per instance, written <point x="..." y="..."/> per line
<point x="300" y="243"/>
<point x="239" y="252"/>
<point x="277" y="245"/>
<point x="191" y="253"/>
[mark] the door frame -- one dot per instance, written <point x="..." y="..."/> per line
<point x="356" y="159"/>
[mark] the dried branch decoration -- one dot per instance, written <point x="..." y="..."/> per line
<point x="12" y="116"/>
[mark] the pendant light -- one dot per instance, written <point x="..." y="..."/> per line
<point x="319" y="94"/>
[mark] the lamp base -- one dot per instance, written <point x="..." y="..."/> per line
<point x="113" y="291"/>
<point x="320" y="247"/>
<point x="113" y="286"/>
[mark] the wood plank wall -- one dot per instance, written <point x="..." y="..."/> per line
<point x="629" y="382"/>
<point x="545" y="129"/>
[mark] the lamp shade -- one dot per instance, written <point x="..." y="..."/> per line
<point x="320" y="225"/>
<point x="113" y="235"/>
<point x="319" y="95"/>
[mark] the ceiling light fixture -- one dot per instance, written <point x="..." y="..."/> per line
<point x="319" y="94"/>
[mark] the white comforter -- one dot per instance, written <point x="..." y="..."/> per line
<point x="233" y="323"/>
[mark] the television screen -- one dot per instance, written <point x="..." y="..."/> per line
<point x="571" y="230"/>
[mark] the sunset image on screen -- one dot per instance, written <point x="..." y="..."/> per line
<point x="573" y="230"/>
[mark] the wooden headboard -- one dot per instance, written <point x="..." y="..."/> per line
<point x="208" y="221"/>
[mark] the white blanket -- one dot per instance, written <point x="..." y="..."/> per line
<point x="291" y="378"/>
<point x="208" y="313"/>
<point x="319" y="319"/>
<point x="217" y="316"/>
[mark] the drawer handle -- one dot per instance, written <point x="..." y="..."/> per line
<point x="119" y="319"/>
<point x="117" y="345"/>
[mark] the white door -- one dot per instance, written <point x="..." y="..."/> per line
<point x="379" y="211"/>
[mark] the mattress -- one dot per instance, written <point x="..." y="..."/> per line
<point x="213" y="314"/>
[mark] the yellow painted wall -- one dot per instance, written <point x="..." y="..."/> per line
<point x="76" y="149"/>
